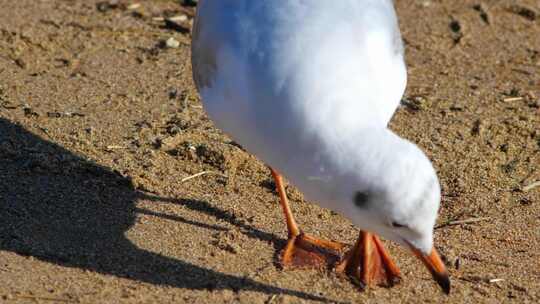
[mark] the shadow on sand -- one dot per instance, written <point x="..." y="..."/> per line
<point x="63" y="209"/>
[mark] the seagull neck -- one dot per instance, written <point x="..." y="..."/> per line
<point x="334" y="155"/>
<point x="363" y="148"/>
<point x="331" y="165"/>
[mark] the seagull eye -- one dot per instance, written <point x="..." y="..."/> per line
<point x="398" y="225"/>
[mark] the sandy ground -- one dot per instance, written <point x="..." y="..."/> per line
<point x="100" y="123"/>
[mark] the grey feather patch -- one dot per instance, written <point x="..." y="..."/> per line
<point x="398" y="43"/>
<point x="204" y="57"/>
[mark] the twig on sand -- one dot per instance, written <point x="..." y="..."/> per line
<point x="511" y="99"/>
<point x="37" y="298"/>
<point x="531" y="186"/>
<point x="185" y="179"/>
<point x="466" y="221"/>
<point x="271" y="299"/>
<point x="113" y="147"/>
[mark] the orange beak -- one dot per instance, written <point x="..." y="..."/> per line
<point x="436" y="267"/>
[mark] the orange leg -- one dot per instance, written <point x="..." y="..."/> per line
<point x="369" y="263"/>
<point x="303" y="250"/>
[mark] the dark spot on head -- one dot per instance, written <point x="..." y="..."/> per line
<point x="361" y="199"/>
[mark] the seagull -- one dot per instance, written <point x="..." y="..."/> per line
<point x="309" y="88"/>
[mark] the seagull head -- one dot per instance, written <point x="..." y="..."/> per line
<point x="392" y="190"/>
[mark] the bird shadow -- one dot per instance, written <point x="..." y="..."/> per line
<point x="64" y="209"/>
<point x="218" y="214"/>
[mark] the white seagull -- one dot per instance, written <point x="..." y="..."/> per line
<point x="309" y="87"/>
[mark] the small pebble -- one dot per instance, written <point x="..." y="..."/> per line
<point x="179" y="18"/>
<point x="134" y="6"/>
<point x="172" y="43"/>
